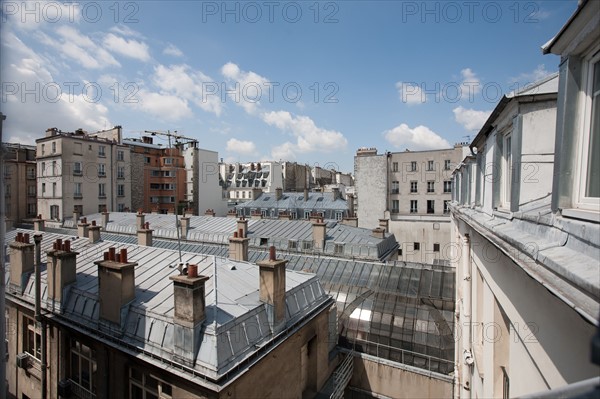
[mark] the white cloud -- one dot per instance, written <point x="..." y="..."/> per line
<point x="162" y="106"/>
<point x="470" y="119"/>
<point x="249" y="87"/>
<point x="129" y="48"/>
<point x="241" y="146"/>
<point x="54" y="105"/>
<point x="187" y="83"/>
<point x="285" y="151"/>
<point x="78" y="47"/>
<point x="527" y="78"/>
<point x="40" y="13"/>
<point x="411" y="93"/>
<point x="416" y="139"/>
<point x="309" y="136"/>
<point x="171" y="49"/>
<point x="470" y="85"/>
<point x="124" y="30"/>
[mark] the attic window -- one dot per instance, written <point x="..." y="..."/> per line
<point x="301" y="197"/>
<point x="266" y="198"/>
<point x="264" y="241"/>
<point x="319" y="199"/>
<point x="292" y="244"/>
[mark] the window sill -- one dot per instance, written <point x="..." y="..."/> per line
<point x="588" y="216"/>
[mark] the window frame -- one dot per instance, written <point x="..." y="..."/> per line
<point x="580" y="200"/>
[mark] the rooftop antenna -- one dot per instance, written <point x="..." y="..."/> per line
<point x="215" y="288"/>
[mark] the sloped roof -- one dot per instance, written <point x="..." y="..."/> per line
<point x="148" y="325"/>
<point x="295" y="200"/>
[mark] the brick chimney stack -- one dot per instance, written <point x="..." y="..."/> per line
<point x="94" y="232"/>
<point x="39" y="224"/>
<point x="140" y="219"/>
<point x="116" y="284"/>
<point x="272" y="289"/>
<point x="82" y="228"/>
<point x="238" y="246"/>
<point x="21" y="260"/>
<point x="278" y="193"/>
<point x="384" y="224"/>
<point x="61" y="269"/>
<point x="105" y="220"/>
<point x="145" y="235"/>
<point x="242" y="223"/>
<point x="185" y="226"/>
<point x="189" y="313"/>
<point x="319" y="234"/>
<point x="378" y="232"/>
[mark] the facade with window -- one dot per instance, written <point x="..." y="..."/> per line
<point x="527" y="234"/>
<point x="394" y="184"/>
<point x="82" y="172"/>
<point x="20" y="182"/>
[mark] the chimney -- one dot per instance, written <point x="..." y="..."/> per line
<point x="94" y="232"/>
<point x="256" y="215"/>
<point x="350" y="200"/>
<point x="189" y="313"/>
<point x="116" y="284"/>
<point x="145" y="235"/>
<point x="140" y="219"/>
<point x="21" y="260"/>
<point x="76" y="215"/>
<point x="384" y="224"/>
<point x="278" y="193"/>
<point x="209" y="212"/>
<point x="272" y="289"/>
<point x="319" y="234"/>
<point x="305" y="194"/>
<point x="231" y="213"/>
<point x="238" y="246"/>
<point x="284" y="216"/>
<point x="82" y="228"/>
<point x="61" y="269"/>
<point x="242" y="223"/>
<point x="350" y="221"/>
<point x="378" y="232"/>
<point x="38" y="224"/>
<point x="185" y="226"/>
<point x="335" y="193"/>
<point x="105" y="218"/>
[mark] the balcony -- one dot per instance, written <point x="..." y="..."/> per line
<point x="80" y="392"/>
<point x="78" y="172"/>
<point x="395" y="191"/>
<point x="80" y="196"/>
<point x="101" y="174"/>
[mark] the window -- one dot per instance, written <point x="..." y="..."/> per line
<point x="307" y="245"/>
<point x="43" y="149"/>
<point x="102" y="151"/>
<point x="77" y="168"/>
<point x="31" y="209"/>
<point x="43" y="188"/>
<point x="31" y="173"/>
<point x="31" y="191"/>
<point x="120" y="172"/>
<point x="339" y="215"/>
<point x="168" y="161"/>
<point x="77" y="190"/>
<point x="77" y="149"/>
<point x="395" y="206"/>
<point x="431" y="186"/>
<point x="7" y="190"/>
<point x="413" y="206"/>
<point x="446" y="206"/>
<point x="306" y="214"/>
<point x="83" y="366"/>
<point x="43" y="169"/>
<point x="589" y="180"/>
<point x="395" y="187"/>
<point x="120" y="190"/>
<point x="413" y="166"/>
<point x="54" y="189"/>
<point x="447" y="164"/>
<point x="32" y="339"/>
<point x="101" y="190"/>
<point x="146" y="386"/>
<point x="120" y="207"/>
<point x="53" y="170"/>
<point x="78" y="209"/>
<point x="53" y="147"/>
<point x="338" y="249"/>
<point x="416" y="246"/>
<point x="120" y="155"/>
<point x="447" y="186"/>
<point x="506" y="170"/>
<point x="101" y="170"/>
<point x="394" y="166"/>
<point x="436" y="247"/>
<point x="292" y="244"/>
<point x="146" y="159"/>
<point x="101" y="207"/>
<point x="430" y="206"/>
<point x="413" y="186"/>
<point x="429" y="165"/>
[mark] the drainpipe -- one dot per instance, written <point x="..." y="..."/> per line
<point x="38" y="313"/>
<point x="467" y="356"/>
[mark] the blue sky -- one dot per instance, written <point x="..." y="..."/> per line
<point x="306" y="81"/>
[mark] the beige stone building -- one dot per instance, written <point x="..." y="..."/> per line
<point x="525" y="229"/>
<point x="82" y="172"/>
<point x="407" y="193"/>
<point x="19" y="182"/>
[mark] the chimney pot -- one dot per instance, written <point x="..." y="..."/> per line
<point x="235" y="234"/>
<point x="59" y="243"/>
<point x="19" y="237"/>
<point x="240" y="234"/>
<point x="272" y="254"/>
<point x="124" y="255"/>
<point x="192" y="271"/>
<point x="118" y="257"/>
<point x="111" y="253"/>
<point x="105" y="255"/>
<point x="93" y="222"/>
<point x="67" y="246"/>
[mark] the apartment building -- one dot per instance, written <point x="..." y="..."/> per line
<point x="160" y="185"/>
<point x="20" y="185"/>
<point x="245" y="181"/>
<point x="408" y="192"/>
<point x="525" y="229"/>
<point x="82" y="172"/>
<point x="131" y="325"/>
